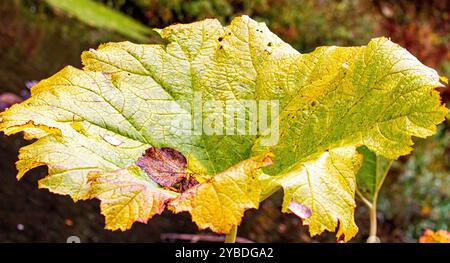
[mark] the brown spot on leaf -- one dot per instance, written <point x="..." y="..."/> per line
<point x="187" y="183"/>
<point x="166" y="166"/>
<point x="299" y="209"/>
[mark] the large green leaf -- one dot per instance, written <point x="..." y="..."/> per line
<point x="92" y="125"/>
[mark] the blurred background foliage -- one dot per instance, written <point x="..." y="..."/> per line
<point x="40" y="37"/>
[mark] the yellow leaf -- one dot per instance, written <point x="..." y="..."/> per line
<point x="220" y="202"/>
<point x="326" y="186"/>
<point x="127" y="197"/>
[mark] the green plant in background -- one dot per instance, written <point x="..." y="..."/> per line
<point x="98" y="15"/>
<point x="305" y="24"/>
<point x="104" y="133"/>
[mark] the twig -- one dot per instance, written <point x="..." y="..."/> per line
<point x="192" y="238"/>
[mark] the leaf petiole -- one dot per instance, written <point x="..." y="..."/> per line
<point x="231" y="237"/>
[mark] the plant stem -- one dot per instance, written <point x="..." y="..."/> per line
<point x="372" y="206"/>
<point x="363" y="199"/>
<point x="373" y="219"/>
<point x="373" y="238"/>
<point x="231" y="237"/>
